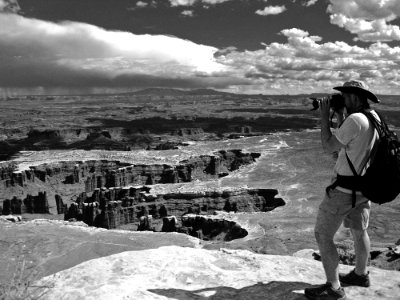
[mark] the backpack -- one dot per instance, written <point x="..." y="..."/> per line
<point x="381" y="181"/>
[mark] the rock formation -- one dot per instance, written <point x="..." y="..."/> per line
<point x="170" y="224"/>
<point x="31" y="204"/>
<point x="188" y="131"/>
<point x="114" y="207"/>
<point x="11" y="218"/>
<point x="98" y="174"/>
<point x="212" y="228"/>
<point x="185" y="273"/>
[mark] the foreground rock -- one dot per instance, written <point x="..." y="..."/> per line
<point x="185" y="273"/>
<point x="45" y="247"/>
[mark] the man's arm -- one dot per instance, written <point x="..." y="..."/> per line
<point x="329" y="142"/>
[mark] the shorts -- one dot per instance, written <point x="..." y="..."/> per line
<point x="337" y="208"/>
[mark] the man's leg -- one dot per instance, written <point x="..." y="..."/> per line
<point x="329" y="254"/>
<point x="362" y="249"/>
<point x="328" y="221"/>
<point x="330" y="217"/>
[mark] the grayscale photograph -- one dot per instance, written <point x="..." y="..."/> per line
<point x="199" y="149"/>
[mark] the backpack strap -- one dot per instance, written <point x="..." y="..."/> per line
<point x="381" y="128"/>
<point x="353" y="192"/>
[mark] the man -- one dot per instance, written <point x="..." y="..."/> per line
<point x="354" y="140"/>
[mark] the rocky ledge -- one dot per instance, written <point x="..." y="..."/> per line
<point x="174" y="272"/>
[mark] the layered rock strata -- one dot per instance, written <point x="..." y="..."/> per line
<point x="99" y="174"/>
<point x="114" y="207"/>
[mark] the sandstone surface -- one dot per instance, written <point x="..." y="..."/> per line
<point x="174" y="272"/>
<point x="45" y="247"/>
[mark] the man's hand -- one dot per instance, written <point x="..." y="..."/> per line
<point x="329" y="141"/>
<point x="325" y="108"/>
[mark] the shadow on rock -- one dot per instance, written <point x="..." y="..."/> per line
<point x="278" y="290"/>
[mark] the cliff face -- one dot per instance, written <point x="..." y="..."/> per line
<point x="98" y="174"/>
<point x="114" y="207"/>
<point x="117" y="138"/>
<point x="31" y="204"/>
<point x="93" y="176"/>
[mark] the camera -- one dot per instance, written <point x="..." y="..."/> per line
<point x="336" y="102"/>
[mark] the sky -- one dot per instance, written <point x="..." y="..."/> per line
<point x="240" y="46"/>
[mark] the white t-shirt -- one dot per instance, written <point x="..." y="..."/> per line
<point x="358" y="135"/>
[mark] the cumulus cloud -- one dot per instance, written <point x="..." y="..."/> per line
<point x="182" y="2"/>
<point x="70" y="53"/>
<point x="38" y="53"/>
<point x="367" y="31"/>
<point x="214" y="2"/>
<point x="141" y="4"/>
<point x="310" y="2"/>
<point x="3" y="4"/>
<point x="271" y="10"/>
<point x="367" y="19"/>
<point x="10" y="6"/>
<point x="187" y="13"/>
<point x="304" y="64"/>
<point x="294" y="32"/>
<point x="192" y="2"/>
<point x="366" y="9"/>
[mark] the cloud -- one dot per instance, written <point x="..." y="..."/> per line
<point x="366" y="9"/>
<point x="310" y="2"/>
<point x="294" y="32"/>
<point x="41" y="53"/>
<point x="182" y="2"/>
<point x="367" y="31"/>
<point x="192" y="2"/>
<point x="368" y="19"/>
<point x="141" y="4"/>
<point x="214" y="2"/>
<point x="271" y="10"/>
<point x="37" y="53"/>
<point x="10" y="6"/>
<point x="304" y="64"/>
<point x="187" y="13"/>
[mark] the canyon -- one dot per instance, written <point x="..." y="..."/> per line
<point x="115" y="194"/>
<point x="102" y="174"/>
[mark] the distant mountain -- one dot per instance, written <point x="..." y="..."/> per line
<point x="206" y="92"/>
<point x="178" y="92"/>
<point x="159" y="92"/>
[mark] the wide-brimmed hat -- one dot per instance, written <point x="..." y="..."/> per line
<point x="358" y="87"/>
